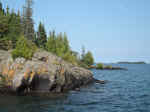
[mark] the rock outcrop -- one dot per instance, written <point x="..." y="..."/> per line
<point x="45" y="72"/>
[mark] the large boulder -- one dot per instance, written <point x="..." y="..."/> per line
<point x="45" y="72"/>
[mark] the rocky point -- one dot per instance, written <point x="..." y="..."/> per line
<point x="45" y="72"/>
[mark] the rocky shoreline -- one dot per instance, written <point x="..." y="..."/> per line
<point x="45" y="72"/>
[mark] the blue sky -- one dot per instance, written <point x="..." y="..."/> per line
<point x="114" y="30"/>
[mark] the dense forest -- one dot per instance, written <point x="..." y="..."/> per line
<point x="17" y="33"/>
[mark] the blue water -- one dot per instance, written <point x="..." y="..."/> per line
<point x="125" y="91"/>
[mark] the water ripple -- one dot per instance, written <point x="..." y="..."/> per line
<point x="126" y="91"/>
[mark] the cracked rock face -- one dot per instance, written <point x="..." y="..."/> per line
<point x="45" y="72"/>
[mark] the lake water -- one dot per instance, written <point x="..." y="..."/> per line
<point x="126" y="91"/>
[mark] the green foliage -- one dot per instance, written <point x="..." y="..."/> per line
<point x="5" y="80"/>
<point x="41" y="36"/>
<point x="108" y="67"/>
<point x="83" y="53"/>
<point x="3" y="25"/>
<point x="88" y="59"/>
<point x="51" y="43"/>
<point x="24" y="48"/>
<point x="81" y="64"/>
<point x="10" y="28"/>
<point x="1" y="7"/>
<point x="59" y="45"/>
<point x="18" y="32"/>
<point x="14" y="26"/>
<point x="2" y="11"/>
<point x="99" y="66"/>
<point x="2" y="80"/>
<point x="70" y="58"/>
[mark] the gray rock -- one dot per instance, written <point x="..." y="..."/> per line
<point x="45" y="72"/>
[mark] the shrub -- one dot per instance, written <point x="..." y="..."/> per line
<point x="70" y="58"/>
<point x="24" y="48"/>
<point x="83" y="65"/>
<point x="108" y="67"/>
<point x="2" y="80"/>
<point x="88" y="59"/>
<point x="99" y="66"/>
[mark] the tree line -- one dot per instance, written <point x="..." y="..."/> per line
<point x="17" y="32"/>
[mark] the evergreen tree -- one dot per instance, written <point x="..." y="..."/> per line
<point x="41" y="36"/>
<point x="88" y="59"/>
<point x="1" y="9"/>
<point x="83" y="54"/>
<point x="27" y="21"/>
<point x="66" y="43"/>
<point x="59" y="45"/>
<point x="10" y="28"/>
<point x="7" y="10"/>
<point x="60" y="48"/>
<point x="1" y="6"/>
<point x="3" y="26"/>
<point x="51" y="42"/>
<point x="14" y="26"/>
<point x="3" y="22"/>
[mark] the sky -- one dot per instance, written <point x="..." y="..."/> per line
<point x="113" y="30"/>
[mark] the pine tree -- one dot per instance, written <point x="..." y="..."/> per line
<point x="41" y="36"/>
<point x="3" y="22"/>
<point x="1" y="7"/>
<point x="14" y="26"/>
<point x="2" y="11"/>
<point x="51" y="42"/>
<point x="60" y="47"/>
<point x="27" y="21"/>
<point x="88" y="58"/>
<point x="66" y="43"/>
<point x="83" y="54"/>
<point x="10" y="28"/>
<point x="7" y="10"/>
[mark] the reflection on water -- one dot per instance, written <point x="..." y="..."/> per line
<point x="126" y="91"/>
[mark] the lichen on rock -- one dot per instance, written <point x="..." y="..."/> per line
<point x="45" y="72"/>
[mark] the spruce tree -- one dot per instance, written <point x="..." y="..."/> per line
<point x="2" y="11"/>
<point x="27" y="21"/>
<point x="88" y="58"/>
<point x="1" y="7"/>
<point x="7" y="10"/>
<point x="41" y="36"/>
<point x="83" y="54"/>
<point x="3" y="22"/>
<point x="60" y="47"/>
<point x="10" y="28"/>
<point x="14" y="26"/>
<point x="66" y="43"/>
<point x="51" y="42"/>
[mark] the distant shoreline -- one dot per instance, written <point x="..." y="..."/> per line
<point x="139" y="62"/>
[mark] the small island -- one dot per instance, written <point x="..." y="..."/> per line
<point x="101" y="66"/>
